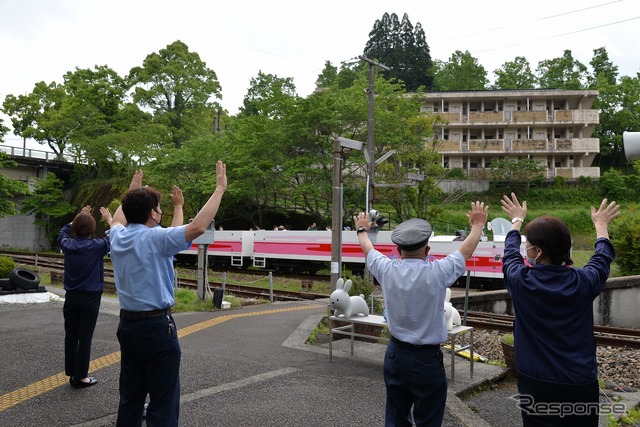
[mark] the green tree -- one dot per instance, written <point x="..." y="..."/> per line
<point x="612" y="185"/>
<point x="515" y="74"/>
<point x="604" y="72"/>
<point x="9" y="188"/>
<point x="518" y="174"/>
<point x="619" y="107"/>
<point x="625" y="235"/>
<point x="3" y="130"/>
<point x="39" y="115"/>
<point x="47" y="204"/>
<point x="611" y="97"/>
<point x="564" y="72"/>
<point x="403" y="47"/>
<point x="269" y="96"/>
<point x="179" y="89"/>
<point x="103" y="120"/>
<point x="461" y="72"/>
<point x="328" y="75"/>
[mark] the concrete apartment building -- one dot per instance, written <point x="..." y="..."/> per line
<point x="553" y="127"/>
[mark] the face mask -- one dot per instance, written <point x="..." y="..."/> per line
<point x="532" y="261"/>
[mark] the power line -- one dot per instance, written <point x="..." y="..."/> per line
<point x="557" y="35"/>
<point x="534" y="20"/>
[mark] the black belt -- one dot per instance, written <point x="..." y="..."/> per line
<point x="408" y="344"/>
<point x="125" y="314"/>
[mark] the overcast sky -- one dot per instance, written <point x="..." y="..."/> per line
<point x="40" y="40"/>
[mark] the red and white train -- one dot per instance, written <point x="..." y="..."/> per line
<point x="310" y="251"/>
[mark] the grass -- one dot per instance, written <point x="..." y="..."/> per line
<point x="187" y="301"/>
<point x="262" y="282"/>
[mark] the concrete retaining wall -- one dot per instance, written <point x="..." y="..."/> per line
<point x="20" y="232"/>
<point x="617" y="305"/>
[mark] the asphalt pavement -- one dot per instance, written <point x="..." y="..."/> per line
<point x="244" y="367"/>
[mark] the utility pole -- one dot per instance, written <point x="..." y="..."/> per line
<point x="370" y="144"/>
<point x="336" y="215"/>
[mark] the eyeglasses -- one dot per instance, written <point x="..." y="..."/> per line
<point x="530" y="247"/>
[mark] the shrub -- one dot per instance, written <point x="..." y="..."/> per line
<point x="625" y="235"/>
<point x="364" y="287"/>
<point x="6" y="266"/>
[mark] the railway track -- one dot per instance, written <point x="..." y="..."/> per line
<point x="55" y="264"/>
<point x="605" y="335"/>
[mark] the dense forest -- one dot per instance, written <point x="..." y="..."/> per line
<point x="165" y="116"/>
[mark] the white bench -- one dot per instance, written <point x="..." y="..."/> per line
<point x="349" y="329"/>
<point x="453" y="335"/>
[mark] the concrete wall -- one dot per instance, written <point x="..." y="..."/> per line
<point x="20" y="232"/>
<point x="617" y="305"/>
<point x="475" y="186"/>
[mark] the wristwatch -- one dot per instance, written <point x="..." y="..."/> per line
<point x="361" y="229"/>
<point x="516" y="219"/>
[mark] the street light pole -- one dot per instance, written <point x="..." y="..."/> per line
<point x="336" y="215"/>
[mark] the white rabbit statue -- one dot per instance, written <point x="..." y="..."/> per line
<point x="451" y="315"/>
<point x="345" y="305"/>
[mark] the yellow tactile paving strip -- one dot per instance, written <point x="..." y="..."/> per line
<point x="16" y="397"/>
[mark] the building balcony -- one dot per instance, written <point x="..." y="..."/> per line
<point x="556" y="145"/>
<point x="578" y="117"/>
<point x="565" y="172"/>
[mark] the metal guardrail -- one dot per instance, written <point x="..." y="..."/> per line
<point x="37" y="154"/>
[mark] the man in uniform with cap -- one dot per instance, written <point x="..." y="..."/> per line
<point x="414" y="292"/>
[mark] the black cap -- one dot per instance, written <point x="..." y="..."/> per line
<point x="411" y="234"/>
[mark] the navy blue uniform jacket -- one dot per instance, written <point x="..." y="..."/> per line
<point x="553" y="305"/>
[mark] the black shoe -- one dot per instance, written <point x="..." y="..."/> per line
<point x="75" y="383"/>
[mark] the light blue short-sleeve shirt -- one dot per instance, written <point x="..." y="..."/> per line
<point x="142" y="260"/>
<point x="414" y="292"/>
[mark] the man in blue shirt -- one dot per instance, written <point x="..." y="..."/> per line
<point x="142" y="255"/>
<point x="414" y="292"/>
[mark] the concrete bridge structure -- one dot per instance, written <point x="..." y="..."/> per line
<point x="19" y="231"/>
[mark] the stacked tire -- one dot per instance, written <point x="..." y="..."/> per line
<point x="20" y="279"/>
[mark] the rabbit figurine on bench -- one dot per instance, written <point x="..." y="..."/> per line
<point x="345" y="305"/>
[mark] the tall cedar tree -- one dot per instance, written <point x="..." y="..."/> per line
<point x="402" y="47"/>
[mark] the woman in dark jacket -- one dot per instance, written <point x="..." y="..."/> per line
<point x="553" y="302"/>
<point x="83" y="283"/>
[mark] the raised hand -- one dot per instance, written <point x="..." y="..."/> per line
<point x="106" y="215"/>
<point x="176" y="197"/>
<point x="605" y="213"/>
<point x="136" y="181"/>
<point x="221" y="175"/>
<point x="513" y="208"/>
<point x="478" y="214"/>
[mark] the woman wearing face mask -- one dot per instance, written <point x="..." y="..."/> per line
<point x="553" y="303"/>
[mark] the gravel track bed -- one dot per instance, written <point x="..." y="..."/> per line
<point x="618" y="367"/>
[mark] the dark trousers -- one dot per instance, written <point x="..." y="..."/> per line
<point x="80" y="316"/>
<point x="414" y="376"/>
<point x="150" y="364"/>
<point x="546" y="404"/>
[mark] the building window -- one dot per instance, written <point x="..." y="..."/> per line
<point x="473" y="164"/>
